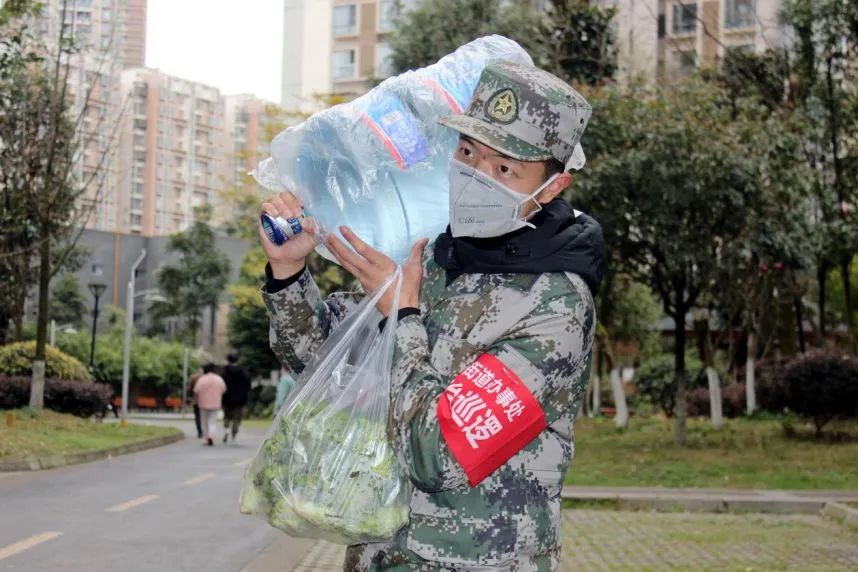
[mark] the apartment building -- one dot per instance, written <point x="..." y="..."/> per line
<point x="172" y="152"/>
<point x="111" y="34"/>
<point x="663" y="38"/>
<point x="335" y="47"/>
<point x="250" y="123"/>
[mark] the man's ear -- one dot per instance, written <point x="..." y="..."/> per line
<point x="557" y="186"/>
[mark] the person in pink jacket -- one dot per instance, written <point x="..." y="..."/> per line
<point x="209" y="390"/>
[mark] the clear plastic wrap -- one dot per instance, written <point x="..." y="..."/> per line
<point x="379" y="163"/>
<point x="325" y="469"/>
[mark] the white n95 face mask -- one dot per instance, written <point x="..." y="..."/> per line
<point x="482" y="207"/>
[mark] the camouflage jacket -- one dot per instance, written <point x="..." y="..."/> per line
<point x="539" y="325"/>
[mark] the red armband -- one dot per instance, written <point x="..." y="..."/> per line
<point x="487" y="415"/>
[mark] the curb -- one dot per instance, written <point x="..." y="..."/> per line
<point x="37" y="463"/>
<point x="841" y="513"/>
<point x="774" y="503"/>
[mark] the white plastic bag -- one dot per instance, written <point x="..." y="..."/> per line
<point x="326" y="469"/>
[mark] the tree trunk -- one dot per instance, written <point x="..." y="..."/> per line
<point x="822" y="279"/>
<point x="800" y="323"/>
<point x="4" y="328"/>
<point x="750" y="383"/>
<point x="597" y="382"/>
<point x="621" y="415"/>
<point x="37" y="385"/>
<point x="715" y="411"/>
<point x="679" y="363"/>
<point x="847" y="298"/>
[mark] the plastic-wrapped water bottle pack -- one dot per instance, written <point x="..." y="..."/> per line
<point x="379" y="163"/>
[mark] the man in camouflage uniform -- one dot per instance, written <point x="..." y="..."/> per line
<point x="494" y="333"/>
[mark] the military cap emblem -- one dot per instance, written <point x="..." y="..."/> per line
<point x="503" y="106"/>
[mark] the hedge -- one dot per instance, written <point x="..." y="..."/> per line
<point x="17" y="360"/>
<point x="80" y="398"/>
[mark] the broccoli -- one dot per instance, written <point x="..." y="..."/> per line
<point x="327" y="474"/>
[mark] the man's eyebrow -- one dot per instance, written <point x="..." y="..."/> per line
<point x="494" y="153"/>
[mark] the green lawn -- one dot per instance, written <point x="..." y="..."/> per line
<point x="744" y="454"/>
<point x="49" y="433"/>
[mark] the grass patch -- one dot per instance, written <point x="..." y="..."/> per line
<point x="51" y="433"/>
<point x="744" y="454"/>
<point x="257" y="423"/>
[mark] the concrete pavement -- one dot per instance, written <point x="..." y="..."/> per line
<point x="174" y="508"/>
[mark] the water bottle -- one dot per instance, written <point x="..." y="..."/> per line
<point x="278" y="229"/>
<point x="379" y="164"/>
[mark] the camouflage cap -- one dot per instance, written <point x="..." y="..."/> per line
<point x="526" y="113"/>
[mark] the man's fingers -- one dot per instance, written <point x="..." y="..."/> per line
<point x="345" y="254"/>
<point x="288" y="209"/>
<point x="361" y="247"/>
<point x="270" y="208"/>
<point x="418" y="248"/>
<point x="345" y="264"/>
<point x="292" y="200"/>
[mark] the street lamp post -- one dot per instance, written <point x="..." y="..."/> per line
<point x="97" y="290"/>
<point x="129" y="323"/>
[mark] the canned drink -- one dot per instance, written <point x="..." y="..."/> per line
<point x="278" y="229"/>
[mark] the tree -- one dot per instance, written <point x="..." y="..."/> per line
<point x="825" y="49"/>
<point x="571" y="39"/>
<point x="67" y="304"/>
<point x="195" y="281"/>
<point x="248" y="317"/>
<point x="670" y="181"/>
<point x="155" y="364"/>
<point x="46" y="134"/>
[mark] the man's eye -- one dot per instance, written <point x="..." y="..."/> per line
<point x="504" y="170"/>
<point x="465" y="151"/>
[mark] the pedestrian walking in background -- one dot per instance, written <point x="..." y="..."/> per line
<point x="237" y="389"/>
<point x="209" y="389"/>
<point x="193" y="400"/>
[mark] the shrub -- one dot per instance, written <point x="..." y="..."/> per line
<point x="733" y="402"/>
<point x="822" y="385"/>
<point x="769" y="382"/>
<point x="80" y="398"/>
<point x="655" y="380"/>
<point x="17" y="360"/>
<point x="261" y="401"/>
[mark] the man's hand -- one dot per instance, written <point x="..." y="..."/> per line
<point x="290" y="257"/>
<point x="372" y="268"/>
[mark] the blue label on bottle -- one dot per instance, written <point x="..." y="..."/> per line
<point x="396" y="127"/>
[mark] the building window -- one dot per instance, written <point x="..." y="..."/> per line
<point x="136" y="204"/>
<point x="345" y="20"/>
<point x="387" y="13"/>
<point x="684" y="18"/>
<point x="97" y="269"/>
<point x="136" y="220"/>
<point x="385" y="65"/>
<point x="742" y="49"/>
<point x="343" y="65"/>
<point x="740" y="13"/>
<point x="686" y="62"/>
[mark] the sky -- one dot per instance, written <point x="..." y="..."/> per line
<point x="234" y="45"/>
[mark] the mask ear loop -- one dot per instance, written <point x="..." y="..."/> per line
<point x="532" y="197"/>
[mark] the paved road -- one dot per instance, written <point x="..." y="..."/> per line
<point x="172" y="508"/>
